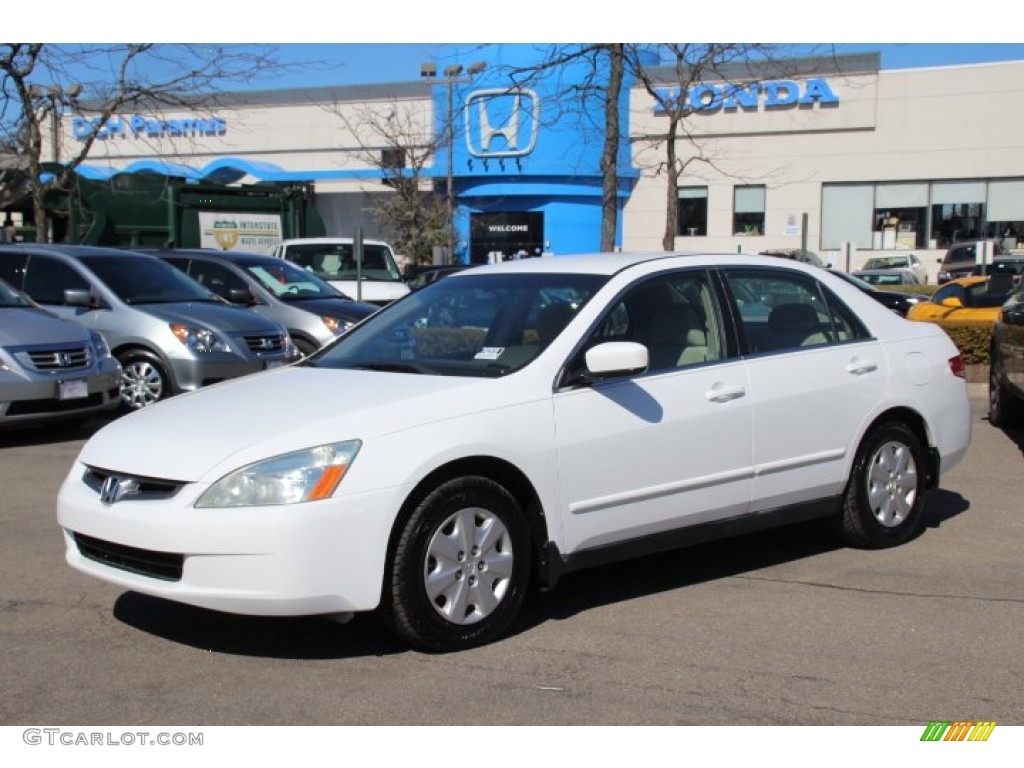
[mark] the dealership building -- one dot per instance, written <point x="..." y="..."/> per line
<point x="833" y="154"/>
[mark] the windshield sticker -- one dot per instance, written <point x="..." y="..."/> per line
<point x="489" y="353"/>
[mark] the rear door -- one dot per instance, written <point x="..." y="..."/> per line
<point x="816" y="375"/>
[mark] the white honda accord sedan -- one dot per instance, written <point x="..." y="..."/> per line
<point x="514" y="422"/>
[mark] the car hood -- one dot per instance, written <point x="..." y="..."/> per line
<point x="28" y="325"/>
<point x="342" y="308"/>
<point x="379" y="291"/>
<point x="213" y="315"/>
<point x="206" y="433"/>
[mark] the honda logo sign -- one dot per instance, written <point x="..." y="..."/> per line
<point x="502" y="122"/>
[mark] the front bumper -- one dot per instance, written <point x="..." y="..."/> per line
<point x="35" y="398"/>
<point x="303" y="559"/>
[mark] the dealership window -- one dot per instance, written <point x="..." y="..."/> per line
<point x="1006" y="212"/>
<point x="748" y="210"/>
<point x="900" y="215"/>
<point x="958" y="211"/>
<point x="846" y="215"/>
<point x="692" y="211"/>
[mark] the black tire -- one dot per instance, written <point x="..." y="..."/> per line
<point x="884" y="498"/>
<point x="461" y="567"/>
<point x="305" y="347"/>
<point x="1004" y="409"/>
<point x="143" y="380"/>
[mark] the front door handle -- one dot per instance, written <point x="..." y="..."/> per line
<point x="722" y="393"/>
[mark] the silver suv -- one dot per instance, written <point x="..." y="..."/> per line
<point x="50" y="369"/>
<point x="169" y="333"/>
<point x="313" y="311"/>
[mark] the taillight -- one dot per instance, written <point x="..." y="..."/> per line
<point x="957" y="366"/>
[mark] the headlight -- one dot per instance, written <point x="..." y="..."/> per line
<point x="198" y="339"/>
<point x="305" y="475"/>
<point x="99" y="346"/>
<point x="336" y="325"/>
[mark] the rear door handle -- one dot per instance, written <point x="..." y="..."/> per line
<point x="722" y="393"/>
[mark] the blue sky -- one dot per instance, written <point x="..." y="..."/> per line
<point x="348" y="63"/>
<point x="387" y="40"/>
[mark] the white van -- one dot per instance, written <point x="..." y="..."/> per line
<point x="377" y="281"/>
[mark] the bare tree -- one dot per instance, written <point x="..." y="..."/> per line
<point x="604" y="69"/>
<point x="398" y="142"/>
<point x="41" y="83"/>
<point x="670" y="71"/>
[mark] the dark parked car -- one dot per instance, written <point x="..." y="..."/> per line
<point x="898" y="301"/>
<point x="1006" y="364"/>
<point x="51" y="369"/>
<point x="797" y="254"/>
<point x="312" y="311"/>
<point x="424" y="276"/>
<point x="960" y="259"/>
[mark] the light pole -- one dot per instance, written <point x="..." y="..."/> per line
<point x="57" y="96"/>
<point x="452" y="76"/>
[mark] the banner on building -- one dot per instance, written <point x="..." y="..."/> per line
<point x="248" y="232"/>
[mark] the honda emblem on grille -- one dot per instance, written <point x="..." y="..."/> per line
<point x="63" y="359"/>
<point x="116" y="488"/>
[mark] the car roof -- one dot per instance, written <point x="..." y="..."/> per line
<point x="613" y="263"/>
<point x="209" y="253"/>
<point x="967" y="281"/>
<point x="340" y="240"/>
<point x="74" y="251"/>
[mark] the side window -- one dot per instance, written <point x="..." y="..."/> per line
<point x="781" y="310"/>
<point x="675" y="317"/>
<point x="46" y="280"/>
<point x="215" y="277"/>
<point x="12" y="269"/>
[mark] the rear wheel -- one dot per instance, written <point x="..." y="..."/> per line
<point x="882" y="505"/>
<point x="143" y="380"/>
<point x="461" y="567"/>
<point x="1004" y="409"/>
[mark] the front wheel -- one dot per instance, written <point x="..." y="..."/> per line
<point x="143" y="381"/>
<point x="882" y="504"/>
<point x="461" y="567"/>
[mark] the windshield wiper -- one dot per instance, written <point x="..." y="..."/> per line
<point x="394" y="367"/>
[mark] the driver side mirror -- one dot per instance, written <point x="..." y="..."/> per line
<point x="241" y="296"/>
<point x="952" y="302"/>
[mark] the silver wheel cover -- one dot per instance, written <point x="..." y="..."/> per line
<point x="141" y="384"/>
<point x="892" y="483"/>
<point x="468" y="566"/>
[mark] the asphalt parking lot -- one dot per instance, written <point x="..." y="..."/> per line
<point x="780" y="628"/>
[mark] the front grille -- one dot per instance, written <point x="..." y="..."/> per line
<point x="166" y="566"/>
<point x="63" y="358"/>
<point x="30" y="407"/>
<point x="264" y="343"/>
<point x="147" y="488"/>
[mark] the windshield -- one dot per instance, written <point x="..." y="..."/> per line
<point x="145" y="280"/>
<point x="882" y="279"/>
<point x="337" y="261"/>
<point x="289" y="282"/>
<point x="473" y="325"/>
<point x="886" y="262"/>
<point x="11" y="298"/>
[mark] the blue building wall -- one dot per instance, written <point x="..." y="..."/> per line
<point x="528" y="141"/>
